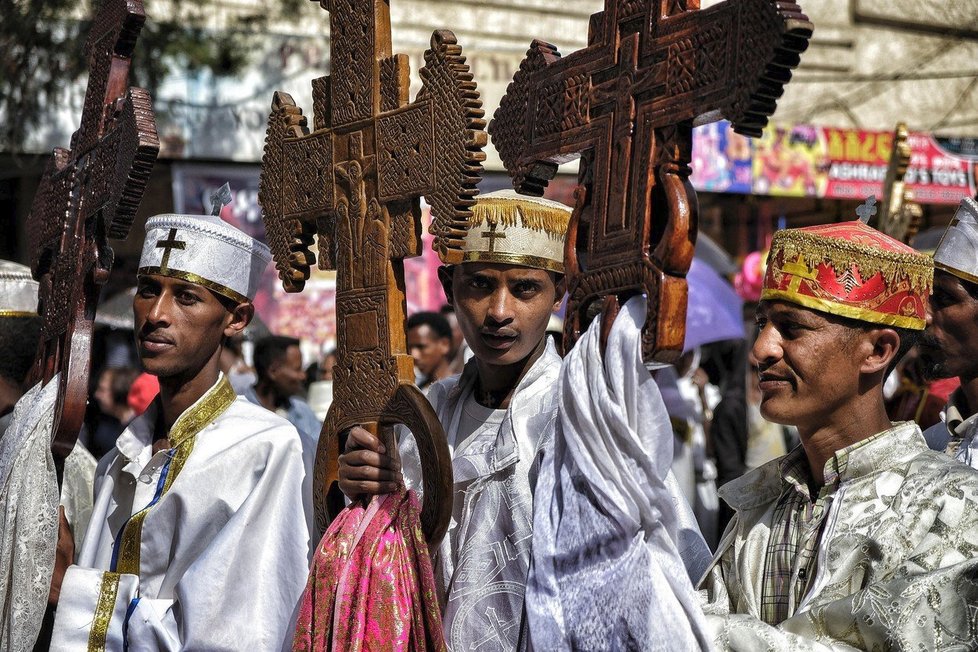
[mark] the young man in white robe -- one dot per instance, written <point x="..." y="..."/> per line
<point x="494" y="415"/>
<point x="949" y="347"/>
<point x="198" y="538"/>
<point x="862" y="537"/>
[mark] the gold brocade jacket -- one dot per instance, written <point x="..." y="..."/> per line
<point x="897" y="564"/>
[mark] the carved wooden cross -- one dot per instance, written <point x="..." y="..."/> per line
<point x="626" y="104"/>
<point x="900" y="215"/>
<point x="355" y="180"/>
<point x="88" y="193"/>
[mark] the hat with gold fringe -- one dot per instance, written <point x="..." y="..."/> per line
<point x="851" y="270"/>
<point x="506" y="227"/>
<point x="957" y="252"/>
<point x="18" y="290"/>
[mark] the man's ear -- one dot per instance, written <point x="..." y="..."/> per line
<point x="241" y="315"/>
<point x="445" y="273"/>
<point x="881" y="347"/>
<point x="560" y="287"/>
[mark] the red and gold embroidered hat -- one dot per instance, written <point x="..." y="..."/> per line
<point x="851" y="270"/>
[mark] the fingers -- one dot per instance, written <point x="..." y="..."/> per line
<point x="360" y="438"/>
<point x="368" y="472"/>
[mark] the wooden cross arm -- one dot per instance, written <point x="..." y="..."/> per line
<point x="295" y="190"/>
<point x="767" y="38"/>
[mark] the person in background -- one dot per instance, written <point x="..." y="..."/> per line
<point x="950" y="344"/>
<point x="460" y="352"/>
<point x="112" y="396"/>
<point x="319" y="393"/>
<point x="20" y="331"/>
<point x="235" y="366"/>
<point x="278" y="367"/>
<point x="429" y="341"/>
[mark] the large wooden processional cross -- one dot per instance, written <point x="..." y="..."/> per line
<point x="355" y="180"/>
<point x="89" y="192"/>
<point x="626" y="105"/>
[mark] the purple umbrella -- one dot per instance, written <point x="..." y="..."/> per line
<point x="714" y="312"/>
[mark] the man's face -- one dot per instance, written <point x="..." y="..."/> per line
<point x="286" y="373"/>
<point x="457" y="337"/>
<point x="949" y="346"/>
<point x="806" y="364"/>
<point x="427" y="349"/>
<point x="179" y="325"/>
<point x="502" y="310"/>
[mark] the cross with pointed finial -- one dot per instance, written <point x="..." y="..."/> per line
<point x="220" y="198"/>
<point x="867" y="209"/>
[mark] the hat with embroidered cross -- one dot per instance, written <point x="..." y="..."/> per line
<point x="506" y="227"/>
<point x="957" y="252"/>
<point x="851" y="270"/>
<point x="18" y="290"/>
<point x="205" y="250"/>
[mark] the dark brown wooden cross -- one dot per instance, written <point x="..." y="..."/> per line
<point x="355" y="180"/>
<point x="167" y="246"/>
<point x="899" y="215"/>
<point x="626" y="105"/>
<point x="89" y="192"/>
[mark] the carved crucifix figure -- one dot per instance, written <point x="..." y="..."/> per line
<point x="900" y="215"/>
<point x="626" y="105"/>
<point x="355" y="179"/>
<point x="89" y="192"/>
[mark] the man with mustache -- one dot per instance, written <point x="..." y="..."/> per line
<point x="494" y="414"/>
<point x="861" y="537"/>
<point x="950" y="344"/>
<point x="198" y="538"/>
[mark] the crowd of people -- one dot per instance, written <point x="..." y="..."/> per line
<point x="822" y="516"/>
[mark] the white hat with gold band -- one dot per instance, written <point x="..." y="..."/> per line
<point x="18" y="290"/>
<point x="515" y="229"/>
<point x="205" y="250"/>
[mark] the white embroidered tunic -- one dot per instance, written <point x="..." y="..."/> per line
<point x="201" y="546"/>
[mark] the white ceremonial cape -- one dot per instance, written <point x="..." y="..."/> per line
<point x="481" y="566"/>
<point x="616" y="548"/>
<point x="28" y="517"/>
<point x="77" y="491"/>
<point x="201" y="546"/>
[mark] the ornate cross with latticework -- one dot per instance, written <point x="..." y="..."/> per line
<point x="355" y="180"/>
<point x="900" y="215"/>
<point x="89" y="192"/>
<point x="626" y="105"/>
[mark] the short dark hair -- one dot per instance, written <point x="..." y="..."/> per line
<point x="436" y="322"/>
<point x="270" y="350"/>
<point x="19" y="337"/>
<point x="121" y="383"/>
<point x="909" y="338"/>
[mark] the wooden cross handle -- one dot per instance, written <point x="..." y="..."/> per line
<point x="410" y="408"/>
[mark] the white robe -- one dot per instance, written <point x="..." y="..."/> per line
<point x="222" y="553"/>
<point x="482" y="564"/>
<point x="615" y="545"/>
<point x="28" y="517"/>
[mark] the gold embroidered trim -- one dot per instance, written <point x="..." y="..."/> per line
<point x="17" y="313"/>
<point x="964" y="276"/>
<point x="528" y="213"/>
<point x="103" y="612"/>
<point x="843" y="254"/>
<point x="844" y="310"/>
<point x="183" y="436"/>
<point x="513" y="259"/>
<point x="194" y="278"/>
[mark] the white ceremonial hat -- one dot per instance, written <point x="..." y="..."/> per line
<point x="18" y="290"/>
<point x="205" y="250"/>
<point x="507" y="227"/>
<point x="957" y="253"/>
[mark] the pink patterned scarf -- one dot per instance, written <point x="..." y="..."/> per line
<point x="371" y="586"/>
